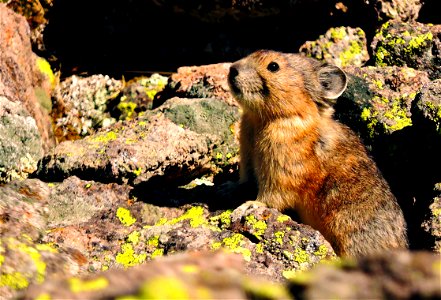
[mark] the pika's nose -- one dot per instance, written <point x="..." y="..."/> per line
<point x="233" y="73"/>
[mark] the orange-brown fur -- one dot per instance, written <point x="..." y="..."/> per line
<point x="303" y="159"/>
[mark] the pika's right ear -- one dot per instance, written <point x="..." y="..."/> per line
<point x="332" y="80"/>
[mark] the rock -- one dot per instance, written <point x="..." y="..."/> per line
<point x="411" y="44"/>
<point x="378" y="100"/>
<point x="20" y="141"/>
<point x="23" y="258"/>
<point x="35" y="12"/>
<point x="395" y="275"/>
<point x="133" y="151"/>
<point x="207" y="81"/>
<point x="341" y="46"/>
<point x="78" y="227"/>
<point x="433" y="223"/>
<point x="403" y="10"/>
<point x="208" y="116"/>
<point x="21" y="79"/>
<point x="81" y="105"/>
<point x="137" y="96"/>
<point x="427" y="105"/>
<point x="195" y="275"/>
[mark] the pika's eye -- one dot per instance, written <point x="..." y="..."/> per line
<point x="273" y="67"/>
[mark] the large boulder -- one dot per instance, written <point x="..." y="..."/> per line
<point x="24" y="78"/>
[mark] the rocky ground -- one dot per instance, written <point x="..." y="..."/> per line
<point x="110" y="185"/>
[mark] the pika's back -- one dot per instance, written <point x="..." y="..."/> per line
<point x="302" y="159"/>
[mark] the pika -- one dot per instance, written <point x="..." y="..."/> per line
<point x="304" y="160"/>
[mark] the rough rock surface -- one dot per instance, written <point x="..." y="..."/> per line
<point x="20" y="142"/>
<point x="208" y="116"/>
<point x="378" y="100"/>
<point x="404" y="10"/>
<point x="78" y="227"/>
<point x="137" y="96"/>
<point x="433" y="222"/>
<point x="428" y="104"/>
<point x="411" y="44"/>
<point x="208" y="81"/>
<point x="35" y="12"/>
<point x="400" y="275"/>
<point x="342" y="46"/>
<point x="133" y="151"/>
<point x="22" y="78"/>
<point x="194" y="275"/>
<point x="80" y="105"/>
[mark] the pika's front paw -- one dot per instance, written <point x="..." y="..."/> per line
<point x="243" y="209"/>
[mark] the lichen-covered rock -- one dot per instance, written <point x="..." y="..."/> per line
<point x="392" y="275"/>
<point x="195" y="275"/>
<point x="342" y="46"/>
<point x="23" y="76"/>
<point x="433" y="224"/>
<point x="411" y="44"/>
<point x="208" y="116"/>
<point x="428" y="104"/>
<point x="80" y="105"/>
<point x="137" y="96"/>
<point x="133" y="151"/>
<point x="378" y="100"/>
<point x="207" y="81"/>
<point x="404" y="10"/>
<point x="23" y="258"/>
<point x="35" y="12"/>
<point x="21" y="145"/>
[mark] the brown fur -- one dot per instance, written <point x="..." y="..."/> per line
<point x="304" y="160"/>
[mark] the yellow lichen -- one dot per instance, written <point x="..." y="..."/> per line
<point x="133" y="237"/>
<point x="14" y="280"/>
<point x="125" y="216"/>
<point x="258" y="226"/>
<point x="127" y="256"/>
<point x="78" y="285"/>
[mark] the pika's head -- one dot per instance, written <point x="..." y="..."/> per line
<point x="274" y="84"/>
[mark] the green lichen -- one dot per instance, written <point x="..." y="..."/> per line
<point x="289" y="274"/>
<point x="259" y="248"/>
<point x="43" y="296"/>
<point x="46" y="69"/>
<point x="153" y="241"/>
<point x="397" y="115"/>
<point x="234" y="244"/>
<point x="104" y="137"/>
<point x="14" y="280"/>
<point x="78" y="285"/>
<point x="124" y="216"/>
<point x="222" y="221"/>
<point x="301" y="256"/>
<point x="338" y="33"/>
<point x="127" y="109"/>
<point x="258" y="226"/>
<point x="279" y="237"/>
<point x="157" y="252"/>
<point x="195" y="215"/>
<point x="133" y="237"/>
<point x="348" y="56"/>
<point x="190" y="269"/>
<point x="162" y="287"/>
<point x="413" y="44"/>
<point x="263" y="290"/>
<point x="283" y="218"/>
<point x="127" y="256"/>
<point x="322" y="251"/>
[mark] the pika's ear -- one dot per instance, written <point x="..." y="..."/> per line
<point x="332" y="80"/>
